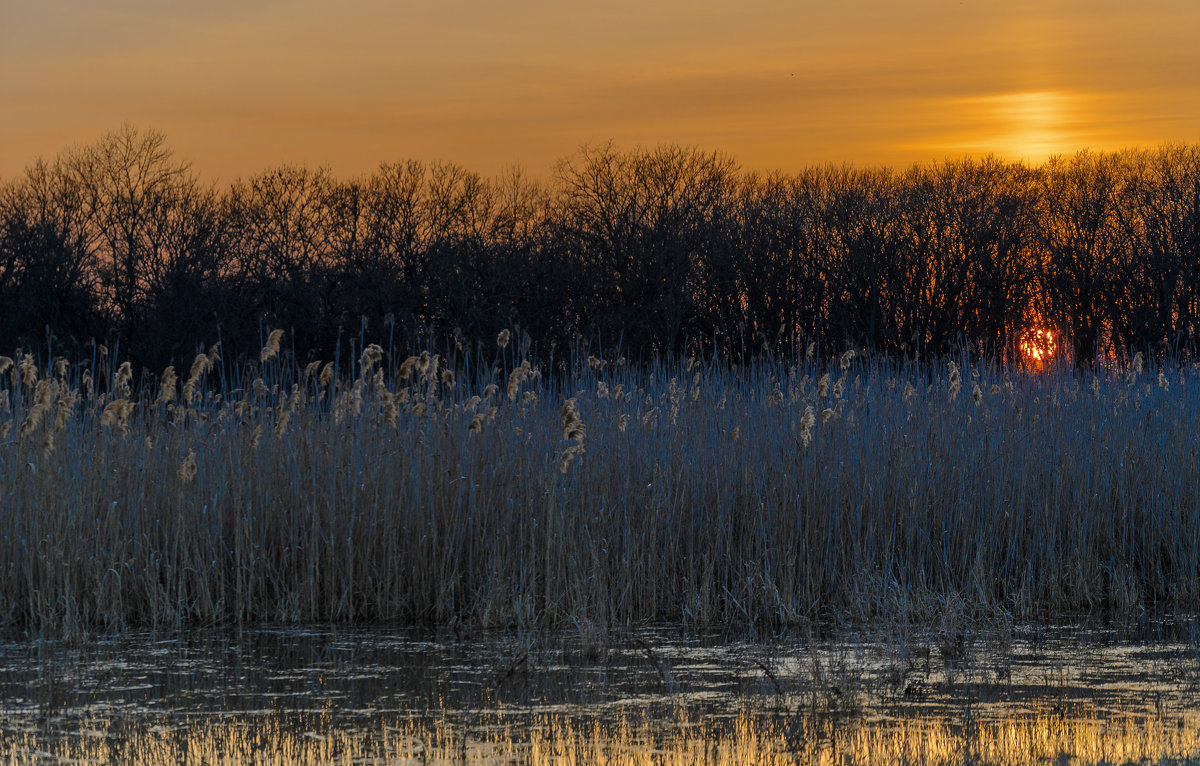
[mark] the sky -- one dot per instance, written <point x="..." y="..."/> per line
<point x="238" y="86"/>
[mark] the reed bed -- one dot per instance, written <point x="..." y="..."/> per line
<point x="483" y="491"/>
<point x="625" y="739"/>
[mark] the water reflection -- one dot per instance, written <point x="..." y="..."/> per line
<point x="375" y="696"/>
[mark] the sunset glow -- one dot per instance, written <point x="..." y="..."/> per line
<point x="1038" y="347"/>
<point x="238" y="87"/>
<point x="1028" y="126"/>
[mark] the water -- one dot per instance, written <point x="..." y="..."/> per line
<point x="393" y="696"/>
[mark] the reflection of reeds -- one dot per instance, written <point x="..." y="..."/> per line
<point x="624" y="737"/>
<point x="427" y="491"/>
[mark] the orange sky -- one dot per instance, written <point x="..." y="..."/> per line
<point x="239" y="85"/>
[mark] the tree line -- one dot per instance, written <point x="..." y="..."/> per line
<point x="641" y="252"/>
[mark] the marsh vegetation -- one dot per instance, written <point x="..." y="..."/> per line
<point x="478" y="490"/>
<point x="647" y="697"/>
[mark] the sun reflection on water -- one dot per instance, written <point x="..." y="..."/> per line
<point x="995" y="697"/>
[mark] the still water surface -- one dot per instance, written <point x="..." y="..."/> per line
<point x="1065" y="695"/>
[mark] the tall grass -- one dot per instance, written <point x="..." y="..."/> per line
<point x="620" y="738"/>
<point x="487" y="492"/>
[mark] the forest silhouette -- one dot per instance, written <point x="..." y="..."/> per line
<point x="642" y="252"/>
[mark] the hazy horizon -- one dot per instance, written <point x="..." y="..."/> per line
<point x="240" y="87"/>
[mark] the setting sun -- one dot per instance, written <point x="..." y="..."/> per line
<point x="1038" y="346"/>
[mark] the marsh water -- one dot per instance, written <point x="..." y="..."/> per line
<point x="1063" y="694"/>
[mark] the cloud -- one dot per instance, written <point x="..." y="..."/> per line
<point x="779" y="85"/>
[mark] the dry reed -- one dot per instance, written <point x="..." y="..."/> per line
<point x="752" y="497"/>
<point x="620" y="737"/>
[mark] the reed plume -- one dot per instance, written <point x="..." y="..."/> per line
<point x="29" y="371"/>
<point x="568" y="455"/>
<point x="407" y="367"/>
<point x="117" y="413"/>
<point x="572" y="425"/>
<point x="517" y="377"/>
<point x="121" y="380"/>
<point x="63" y="407"/>
<point x="166" y="386"/>
<point x="271" y="350"/>
<point x="187" y="468"/>
<point x="807" y="421"/>
<point x="503" y="338"/>
<point x="390" y="411"/>
<point x="41" y="405"/>
<point x="309" y="370"/>
<point x="370" y="356"/>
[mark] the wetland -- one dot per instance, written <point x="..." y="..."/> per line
<point x="463" y="558"/>
<point x="991" y="694"/>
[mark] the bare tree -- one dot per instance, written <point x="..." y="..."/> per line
<point x="639" y="223"/>
<point x="129" y="182"/>
<point x="1157" y="281"/>
<point x="1079" y="244"/>
<point x="963" y="271"/>
<point x="48" y="274"/>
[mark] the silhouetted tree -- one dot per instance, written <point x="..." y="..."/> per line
<point x="47" y="271"/>
<point x="1078" y="240"/>
<point x="131" y="190"/>
<point x="1156" y="284"/>
<point x="965" y="271"/>
<point x="667" y="251"/>
<point x="637" y="223"/>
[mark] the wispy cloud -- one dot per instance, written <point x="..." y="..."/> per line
<point x="237" y="86"/>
